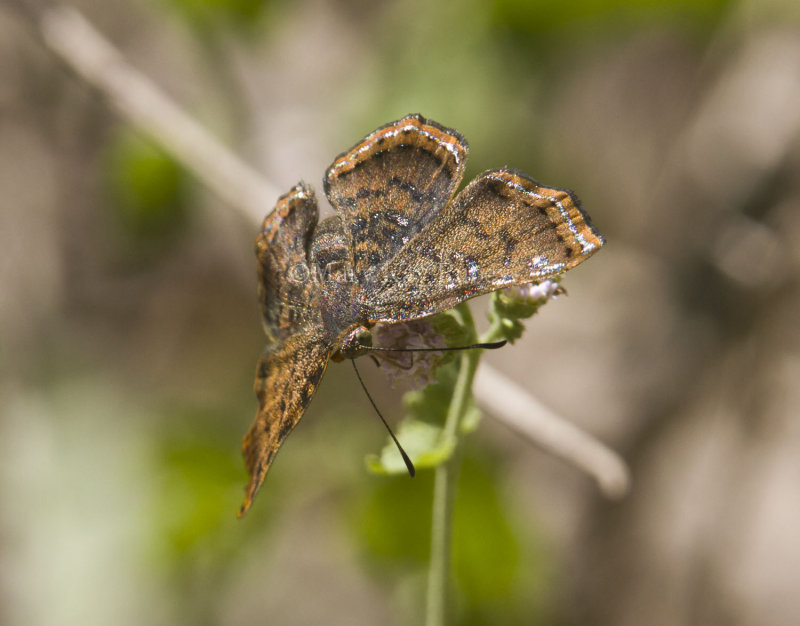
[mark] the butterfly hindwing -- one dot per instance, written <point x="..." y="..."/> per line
<point x="391" y="184"/>
<point x="287" y="375"/>
<point x="503" y="229"/>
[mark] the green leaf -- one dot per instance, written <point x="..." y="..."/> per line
<point x="423" y="442"/>
<point x="421" y="431"/>
<point x="454" y="331"/>
<point x="505" y="305"/>
<point x="431" y="403"/>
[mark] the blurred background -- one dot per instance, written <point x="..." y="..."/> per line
<point x="129" y="329"/>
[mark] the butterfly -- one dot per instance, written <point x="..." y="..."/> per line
<point x="400" y="247"/>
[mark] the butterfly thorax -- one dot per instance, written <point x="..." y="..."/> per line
<point x="339" y="291"/>
<point x="352" y="344"/>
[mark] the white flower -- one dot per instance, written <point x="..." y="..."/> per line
<point x="416" y="367"/>
<point x="538" y="293"/>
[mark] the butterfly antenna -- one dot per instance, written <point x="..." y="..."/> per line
<point x="484" y="346"/>
<point x="411" y="470"/>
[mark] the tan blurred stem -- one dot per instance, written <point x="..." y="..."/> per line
<point x="75" y="41"/>
<point x="68" y="35"/>
<point x="516" y="408"/>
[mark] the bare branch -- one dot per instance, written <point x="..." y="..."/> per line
<point x="516" y="408"/>
<point x="75" y="41"/>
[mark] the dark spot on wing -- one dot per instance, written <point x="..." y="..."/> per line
<point x="509" y="242"/>
<point x="411" y="189"/>
<point x="315" y="376"/>
<point x="286" y="428"/>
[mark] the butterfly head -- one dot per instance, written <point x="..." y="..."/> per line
<point x="354" y="343"/>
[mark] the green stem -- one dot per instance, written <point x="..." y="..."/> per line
<point x="444" y="487"/>
<point x="494" y="333"/>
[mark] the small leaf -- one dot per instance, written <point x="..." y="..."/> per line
<point x="423" y="442"/>
<point x="431" y="403"/>
<point x="448" y="325"/>
<point x="421" y="432"/>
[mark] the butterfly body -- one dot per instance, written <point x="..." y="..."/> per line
<point x="402" y="246"/>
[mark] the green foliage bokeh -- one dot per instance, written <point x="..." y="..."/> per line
<point x="149" y="194"/>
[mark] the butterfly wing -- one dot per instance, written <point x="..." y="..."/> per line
<point x="296" y="356"/>
<point x="286" y="284"/>
<point x="287" y="376"/>
<point x="503" y="229"/>
<point x="391" y="184"/>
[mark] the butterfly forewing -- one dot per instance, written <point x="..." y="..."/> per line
<point x="503" y="229"/>
<point x="389" y="186"/>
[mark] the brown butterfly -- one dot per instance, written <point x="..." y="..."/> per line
<point x="400" y="248"/>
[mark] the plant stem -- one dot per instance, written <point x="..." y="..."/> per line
<point x="494" y="333"/>
<point x="445" y="481"/>
<point x="441" y="532"/>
